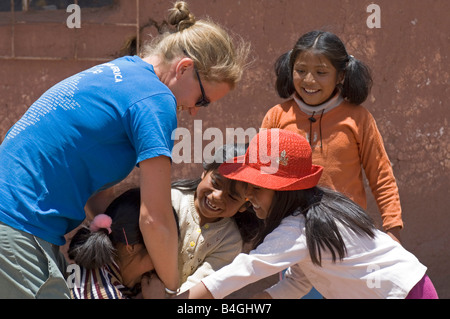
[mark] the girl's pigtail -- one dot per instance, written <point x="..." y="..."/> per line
<point x="357" y="81"/>
<point x="91" y="246"/>
<point x="284" y="84"/>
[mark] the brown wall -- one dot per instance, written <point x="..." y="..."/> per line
<point x="408" y="56"/>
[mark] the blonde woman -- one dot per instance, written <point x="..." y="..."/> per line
<point x="88" y="132"/>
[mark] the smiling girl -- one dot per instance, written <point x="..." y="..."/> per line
<point x="213" y="217"/>
<point x="322" y="237"/>
<point x="326" y="86"/>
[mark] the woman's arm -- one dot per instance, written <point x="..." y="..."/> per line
<point x="157" y="222"/>
<point x="98" y="203"/>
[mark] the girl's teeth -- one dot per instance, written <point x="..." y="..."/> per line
<point x="311" y="91"/>
<point x="255" y="206"/>
<point x="211" y="205"/>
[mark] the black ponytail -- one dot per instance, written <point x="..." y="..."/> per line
<point x="357" y="81"/>
<point x="327" y="208"/>
<point x="94" y="249"/>
<point x="91" y="249"/>
<point x="284" y="84"/>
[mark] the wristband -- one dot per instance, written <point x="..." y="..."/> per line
<point x="171" y="292"/>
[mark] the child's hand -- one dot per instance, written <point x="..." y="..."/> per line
<point x="152" y="287"/>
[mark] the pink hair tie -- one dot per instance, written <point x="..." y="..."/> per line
<point x="101" y="221"/>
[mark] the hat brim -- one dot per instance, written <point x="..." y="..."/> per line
<point x="241" y="171"/>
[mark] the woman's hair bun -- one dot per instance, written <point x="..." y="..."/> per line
<point x="180" y="16"/>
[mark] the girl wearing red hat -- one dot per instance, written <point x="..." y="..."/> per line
<point x="322" y="237"/>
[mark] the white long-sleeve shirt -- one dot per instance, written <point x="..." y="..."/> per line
<point x="372" y="268"/>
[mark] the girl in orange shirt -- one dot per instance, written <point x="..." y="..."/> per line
<point x="325" y="86"/>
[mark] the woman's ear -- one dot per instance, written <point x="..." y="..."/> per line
<point x="182" y="66"/>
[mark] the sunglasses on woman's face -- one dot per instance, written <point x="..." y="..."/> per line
<point x="204" y="102"/>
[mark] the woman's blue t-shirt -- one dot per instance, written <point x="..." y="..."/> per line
<point x="84" y="134"/>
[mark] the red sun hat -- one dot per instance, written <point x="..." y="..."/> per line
<point x="275" y="159"/>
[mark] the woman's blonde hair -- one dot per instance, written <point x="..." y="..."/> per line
<point x="214" y="52"/>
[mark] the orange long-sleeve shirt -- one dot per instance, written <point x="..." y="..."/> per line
<point x="344" y="139"/>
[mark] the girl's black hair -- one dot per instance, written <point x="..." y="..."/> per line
<point x="357" y="77"/>
<point x="323" y="209"/>
<point x="248" y="223"/>
<point x="95" y="249"/>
